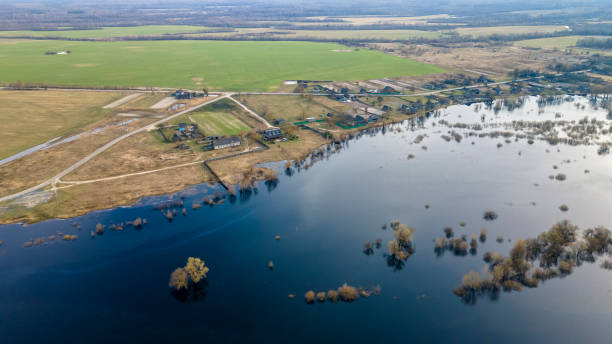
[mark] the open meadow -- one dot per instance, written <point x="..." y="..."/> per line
<point x="218" y="65"/>
<point x="293" y="108"/>
<point x="510" y="30"/>
<point x="31" y="118"/>
<point x="109" y="32"/>
<point x="559" y="43"/>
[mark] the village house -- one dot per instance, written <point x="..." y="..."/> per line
<point x="272" y="134"/>
<point x="182" y="94"/>
<point x="186" y="131"/>
<point x="226" y="142"/>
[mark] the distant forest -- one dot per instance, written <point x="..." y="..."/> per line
<point x="53" y="14"/>
<point x="595" y="43"/>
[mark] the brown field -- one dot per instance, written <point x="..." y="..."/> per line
<point x="30" y="118"/>
<point x="38" y="167"/>
<point x="81" y="199"/>
<point x="495" y="60"/>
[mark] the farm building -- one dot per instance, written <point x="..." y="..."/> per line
<point x="186" y="131"/>
<point x="226" y="142"/>
<point x="182" y="94"/>
<point x="279" y="121"/>
<point x="272" y="134"/>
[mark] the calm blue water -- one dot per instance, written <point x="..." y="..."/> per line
<point x="114" y="288"/>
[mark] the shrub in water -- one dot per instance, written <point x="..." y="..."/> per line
<point x="483" y="235"/>
<point x="348" y="293"/>
<point x="178" y="279"/>
<point x="332" y="295"/>
<point x="309" y="296"/>
<point x="490" y="215"/>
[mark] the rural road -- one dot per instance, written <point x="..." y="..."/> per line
<point x="108" y="145"/>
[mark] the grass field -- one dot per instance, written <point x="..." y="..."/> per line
<point x="326" y="34"/>
<point x="30" y="118"/>
<point x="364" y="34"/>
<point x="560" y="43"/>
<point x="291" y="108"/>
<point x="509" y="30"/>
<point x="219" y="65"/>
<point x="108" y="32"/>
<point x="218" y="123"/>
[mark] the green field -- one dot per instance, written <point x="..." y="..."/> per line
<point x="108" y="32"/>
<point x="219" y="65"/>
<point x="218" y="123"/>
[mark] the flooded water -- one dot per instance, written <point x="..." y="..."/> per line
<point x="114" y="287"/>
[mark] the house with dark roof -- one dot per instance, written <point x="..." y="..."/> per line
<point x="272" y="134"/>
<point x="226" y="142"/>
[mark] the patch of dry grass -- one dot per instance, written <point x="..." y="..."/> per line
<point x="30" y="118"/>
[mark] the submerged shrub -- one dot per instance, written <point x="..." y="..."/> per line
<point x="493" y="258"/>
<point x="321" y="296"/>
<point x="483" y="235"/>
<point x="474" y="243"/>
<point x="368" y="248"/>
<point x="563" y="207"/>
<point x="378" y="242"/>
<point x="178" y="279"/>
<point x="309" y="296"/>
<point x="607" y="264"/>
<point x="490" y="215"/>
<point x="512" y="285"/>
<point x="348" y="293"/>
<point x="332" y="295"/>
<point x="565" y="266"/>
<point x="99" y="228"/>
<point x="449" y="232"/>
<point x="560" y="177"/>
<point x="441" y="243"/>
<point x="499" y="239"/>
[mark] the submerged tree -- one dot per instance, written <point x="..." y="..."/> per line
<point x="195" y="270"/>
<point x="178" y="279"/>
